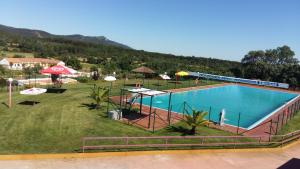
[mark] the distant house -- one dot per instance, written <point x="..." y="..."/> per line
<point x="21" y="63"/>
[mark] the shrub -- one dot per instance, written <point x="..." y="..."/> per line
<point x="82" y="79"/>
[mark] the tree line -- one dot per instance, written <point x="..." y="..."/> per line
<point x="278" y="64"/>
<point x="111" y="58"/>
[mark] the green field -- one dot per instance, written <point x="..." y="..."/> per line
<point x="59" y="121"/>
<point x="12" y="54"/>
<point x="292" y="125"/>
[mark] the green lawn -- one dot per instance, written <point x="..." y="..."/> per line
<point x="12" y="54"/>
<point x="292" y="125"/>
<point x="59" y="121"/>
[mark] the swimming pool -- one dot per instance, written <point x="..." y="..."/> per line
<point x="253" y="104"/>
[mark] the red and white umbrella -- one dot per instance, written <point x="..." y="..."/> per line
<point x="56" y="70"/>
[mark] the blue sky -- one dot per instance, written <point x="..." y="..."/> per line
<point x="225" y="29"/>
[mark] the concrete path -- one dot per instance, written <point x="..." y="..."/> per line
<point x="224" y="159"/>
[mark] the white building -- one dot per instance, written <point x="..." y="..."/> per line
<point x="20" y="63"/>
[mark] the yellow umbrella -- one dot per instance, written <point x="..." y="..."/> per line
<point x="182" y="73"/>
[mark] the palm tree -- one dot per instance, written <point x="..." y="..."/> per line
<point x="197" y="119"/>
<point x="99" y="94"/>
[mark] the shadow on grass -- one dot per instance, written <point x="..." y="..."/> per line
<point x="55" y="90"/>
<point x="5" y="104"/>
<point x="90" y="106"/>
<point x="29" y="103"/>
<point x="93" y="106"/>
<point x="132" y="85"/>
<point x="184" y="131"/>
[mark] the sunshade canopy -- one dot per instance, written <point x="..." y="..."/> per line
<point x="144" y="70"/>
<point x="136" y="90"/>
<point x="72" y="71"/>
<point x="57" y="70"/>
<point x="110" y="78"/>
<point x="165" y="77"/>
<point x="182" y="73"/>
<point x="145" y="91"/>
<point x="33" y="91"/>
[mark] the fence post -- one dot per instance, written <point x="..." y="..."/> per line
<point x="83" y="144"/>
<point x="183" y="109"/>
<point x="238" y="128"/>
<point x="141" y="103"/>
<point x="149" y="120"/>
<point x="298" y="107"/>
<point x="277" y="124"/>
<point x="169" y="116"/>
<point x="282" y="120"/>
<point x="287" y="115"/>
<point x="153" y="127"/>
<point x="209" y="115"/>
<point x="270" y="129"/>
<point x="291" y="112"/>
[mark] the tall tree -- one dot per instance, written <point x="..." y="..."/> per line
<point x="272" y="65"/>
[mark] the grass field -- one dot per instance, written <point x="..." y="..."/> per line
<point x="59" y="121"/>
<point x="12" y="54"/>
<point x="292" y="125"/>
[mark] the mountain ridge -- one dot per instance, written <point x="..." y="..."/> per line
<point x="25" y="32"/>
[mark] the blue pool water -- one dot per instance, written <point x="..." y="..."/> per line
<point x="252" y="104"/>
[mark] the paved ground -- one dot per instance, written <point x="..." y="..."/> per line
<point x="256" y="159"/>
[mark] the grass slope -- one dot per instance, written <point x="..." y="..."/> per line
<point x="59" y="121"/>
<point x="292" y="125"/>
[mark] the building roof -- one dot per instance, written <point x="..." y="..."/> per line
<point x="32" y="60"/>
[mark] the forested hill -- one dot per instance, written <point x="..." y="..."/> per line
<point x="278" y="64"/>
<point x="42" y="34"/>
<point x="110" y="57"/>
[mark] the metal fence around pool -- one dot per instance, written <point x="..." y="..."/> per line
<point x="270" y="125"/>
<point x="236" y="122"/>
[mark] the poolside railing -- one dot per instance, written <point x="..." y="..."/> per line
<point x="184" y="142"/>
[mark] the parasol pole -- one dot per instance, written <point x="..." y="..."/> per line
<point x="9" y="98"/>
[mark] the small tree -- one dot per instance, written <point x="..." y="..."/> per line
<point x="2" y="70"/>
<point x="195" y="120"/>
<point x="99" y="94"/>
<point x="95" y="72"/>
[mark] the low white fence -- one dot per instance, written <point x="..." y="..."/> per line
<point x="43" y="81"/>
<point x="240" y="80"/>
